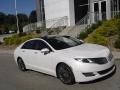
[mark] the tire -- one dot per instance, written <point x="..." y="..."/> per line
<point x="65" y="74"/>
<point x="21" y="65"/>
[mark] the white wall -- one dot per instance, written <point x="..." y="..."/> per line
<point x="56" y="9"/>
<point x="71" y="13"/>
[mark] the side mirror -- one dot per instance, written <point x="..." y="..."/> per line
<point x="45" y="51"/>
<point x="82" y="41"/>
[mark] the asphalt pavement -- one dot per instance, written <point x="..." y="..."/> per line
<point x="11" y="78"/>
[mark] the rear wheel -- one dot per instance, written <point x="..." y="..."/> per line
<point x="21" y="64"/>
<point x="65" y="74"/>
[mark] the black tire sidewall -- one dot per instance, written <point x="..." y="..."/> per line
<point x="20" y="61"/>
<point x="72" y="78"/>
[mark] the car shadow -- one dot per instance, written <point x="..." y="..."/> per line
<point x="38" y="73"/>
<point x="100" y="79"/>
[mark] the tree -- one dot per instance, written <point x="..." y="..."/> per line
<point x="2" y="18"/>
<point x="22" y="18"/>
<point x="33" y="17"/>
<point x="10" y="19"/>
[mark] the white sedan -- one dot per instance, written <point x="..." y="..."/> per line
<point x="65" y="57"/>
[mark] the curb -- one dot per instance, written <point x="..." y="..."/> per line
<point x="6" y="51"/>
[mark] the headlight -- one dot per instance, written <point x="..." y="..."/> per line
<point x="84" y="60"/>
<point x="93" y="60"/>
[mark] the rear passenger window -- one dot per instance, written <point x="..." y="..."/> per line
<point x="29" y="45"/>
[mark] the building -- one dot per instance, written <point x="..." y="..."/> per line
<point x="55" y="13"/>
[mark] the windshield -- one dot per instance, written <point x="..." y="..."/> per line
<point x="62" y="42"/>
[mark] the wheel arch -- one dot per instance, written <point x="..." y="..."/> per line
<point x="18" y="58"/>
<point x="22" y="60"/>
<point x="70" y="69"/>
<point x="65" y="64"/>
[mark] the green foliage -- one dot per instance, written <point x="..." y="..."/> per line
<point x="97" y="39"/>
<point x="9" y="21"/>
<point x="22" y="34"/>
<point x="117" y="43"/>
<point x="2" y="18"/>
<point x="89" y="30"/>
<point x="33" y="17"/>
<point x="22" y="18"/>
<point x="9" y="41"/>
<point x="82" y="35"/>
<point x="102" y="33"/>
<point x="106" y="31"/>
<point x="17" y="39"/>
<point x="93" y="27"/>
<point x="25" y="38"/>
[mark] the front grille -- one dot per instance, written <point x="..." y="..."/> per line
<point x="105" y="71"/>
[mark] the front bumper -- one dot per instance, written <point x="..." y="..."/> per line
<point x="93" y="75"/>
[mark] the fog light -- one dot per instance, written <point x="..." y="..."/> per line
<point x="89" y="74"/>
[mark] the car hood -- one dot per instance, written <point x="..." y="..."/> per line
<point x="86" y="51"/>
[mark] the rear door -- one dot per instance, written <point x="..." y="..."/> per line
<point x="27" y="51"/>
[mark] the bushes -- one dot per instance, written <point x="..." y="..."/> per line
<point x="93" y="27"/>
<point x="97" y="39"/>
<point x="21" y="34"/>
<point x="106" y="31"/>
<point x="82" y="35"/>
<point x="102" y="34"/>
<point x="108" y="28"/>
<point x="8" y="41"/>
<point x="117" y="42"/>
<point x="89" y="30"/>
<point x="17" y="39"/>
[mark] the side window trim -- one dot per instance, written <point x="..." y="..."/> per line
<point x="24" y="46"/>
<point x="43" y="42"/>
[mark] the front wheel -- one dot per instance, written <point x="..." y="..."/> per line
<point x="65" y="74"/>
